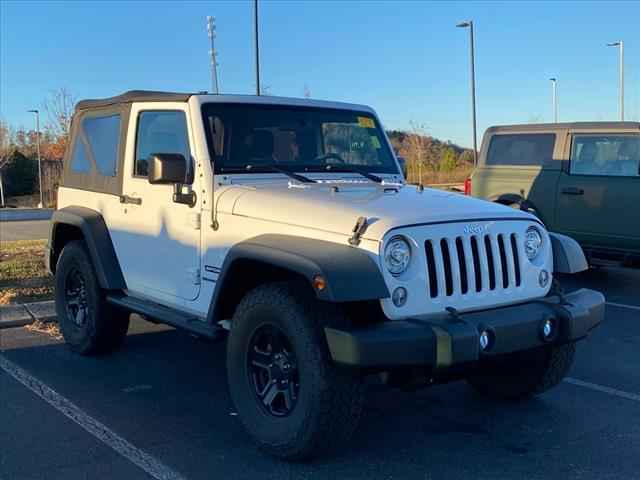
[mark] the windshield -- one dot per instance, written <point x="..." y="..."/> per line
<point x="243" y="138"/>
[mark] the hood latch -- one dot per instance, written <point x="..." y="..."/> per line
<point x="358" y="230"/>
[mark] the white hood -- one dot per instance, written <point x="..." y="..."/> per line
<point x="318" y="206"/>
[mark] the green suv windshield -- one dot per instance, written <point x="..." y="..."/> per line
<point x="245" y="138"/>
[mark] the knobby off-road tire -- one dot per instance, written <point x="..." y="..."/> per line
<point x="521" y="375"/>
<point x="329" y="401"/>
<point x="100" y="328"/>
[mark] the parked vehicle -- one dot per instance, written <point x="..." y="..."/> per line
<point x="580" y="179"/>
<point x="285" y="227"/>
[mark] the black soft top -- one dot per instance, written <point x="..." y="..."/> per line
<point x="133" y="96"/>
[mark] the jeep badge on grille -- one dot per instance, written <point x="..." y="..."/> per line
<point x="474" y="228"/>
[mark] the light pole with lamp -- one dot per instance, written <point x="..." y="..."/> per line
<point x="620" y="45"/>
<point x="469" y="25"/>
<point x="554" y="98"/>
<point x="37" y="113"/>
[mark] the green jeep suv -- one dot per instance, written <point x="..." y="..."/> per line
<point x="580" y="179"/>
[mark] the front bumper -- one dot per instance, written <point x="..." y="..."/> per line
<point x="456" y="340"/>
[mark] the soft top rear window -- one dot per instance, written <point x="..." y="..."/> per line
<point x="531" y="149"/>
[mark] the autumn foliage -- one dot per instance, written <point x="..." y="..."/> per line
<point x="18" y="149"/>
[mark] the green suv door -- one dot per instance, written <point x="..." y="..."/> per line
<point x="598" y="194"/>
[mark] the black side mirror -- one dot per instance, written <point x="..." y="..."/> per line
<point x="171" y="169"/>
<point x="403" y="166"/>
<point x="168" y="168"/>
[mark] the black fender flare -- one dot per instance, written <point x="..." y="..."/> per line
<point x="96" y="236"/>
<point x="350" y="273"/>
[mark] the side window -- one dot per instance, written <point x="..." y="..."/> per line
<point x="161" y="132"/>
<point x="534" y="149"/>
<point x="103" y="135"/>
<point x="610" y="155"/>
<point x="79" y="161"/>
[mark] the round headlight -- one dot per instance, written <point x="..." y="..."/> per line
<point x="532" y="242"/>
<point x="397" y="255"/>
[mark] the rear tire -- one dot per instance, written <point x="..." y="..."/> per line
<point x="521" y="375"/>
<point x="88" y="323"/>
<point x="323" y="405"/>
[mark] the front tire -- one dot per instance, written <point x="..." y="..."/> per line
<point x="294" y="403"/>
<point x="88" y="323"/>
<point x="521" y="375"/>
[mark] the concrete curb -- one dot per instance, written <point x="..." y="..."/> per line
<point x="12" y="316"/>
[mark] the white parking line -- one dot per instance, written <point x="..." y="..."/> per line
<point x="601" y="388"/>
<point x="624" y="305"/>
<point x="146" y="462"/>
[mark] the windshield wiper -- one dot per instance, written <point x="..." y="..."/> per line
<point x="272" y="168"/>
<point x="348" y="169"/>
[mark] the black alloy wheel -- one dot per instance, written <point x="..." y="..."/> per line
<point x="75" y="294"/>
<point x="273" y="370"/>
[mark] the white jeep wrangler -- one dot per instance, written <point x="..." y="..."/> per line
<point x="285" y="226"/>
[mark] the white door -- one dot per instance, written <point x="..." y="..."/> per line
<point x="157" y="240"/>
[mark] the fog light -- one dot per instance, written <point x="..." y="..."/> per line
<point x="399" y="296"/>
<point x="548" y="329"/>
<point x="486" y="339"/>
<point x="543" y="278"/>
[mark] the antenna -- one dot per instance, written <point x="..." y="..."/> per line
<point x="211" y="31"/>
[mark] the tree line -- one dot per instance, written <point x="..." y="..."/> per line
<point x="429" y="160"/>
<point x="19" y="146"/>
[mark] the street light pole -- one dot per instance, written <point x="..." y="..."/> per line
<point x="37" y="113"/>
<point x="257" y="46"/>
<point x="554" y="98"/>
<point x="211" y="31"/>
<point x="620" y="45"/>
<point x="469" y="24"/>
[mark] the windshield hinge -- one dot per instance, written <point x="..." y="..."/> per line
<point x="195" y="220"/>
<point x="358" y="230"/>
<point x="194" y="275"/>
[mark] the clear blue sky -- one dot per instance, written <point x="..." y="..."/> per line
<point x="405" y="58"/>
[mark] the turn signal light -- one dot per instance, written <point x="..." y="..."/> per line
<point x="319" y="283"/>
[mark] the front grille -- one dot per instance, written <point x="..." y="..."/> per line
<point x="472" y="264"/>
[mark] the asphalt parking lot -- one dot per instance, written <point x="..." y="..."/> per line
<point x="166" y="395"/>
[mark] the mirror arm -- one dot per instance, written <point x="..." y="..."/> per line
<point x="185" y="198"/>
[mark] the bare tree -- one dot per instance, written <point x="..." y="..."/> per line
<point x="265" y="90"/>
<point x="307" y="91"/>
<point x="416" y="145"/>
<point x="6" y="153"/>
<point x="59" y="106"/>
<point x="534" y="118"/>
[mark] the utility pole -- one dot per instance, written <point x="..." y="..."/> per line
<point x="257" y="46"/>
<point x="469" y="25"/>
<point x="37" y="113"/>
<point x="554" y="98"/>
<point x="620" y="45"/>
<point x="211" y="31"/>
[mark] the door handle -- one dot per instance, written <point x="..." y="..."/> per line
<point x="129" y="199"/>
<point x="572" y="191"/>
